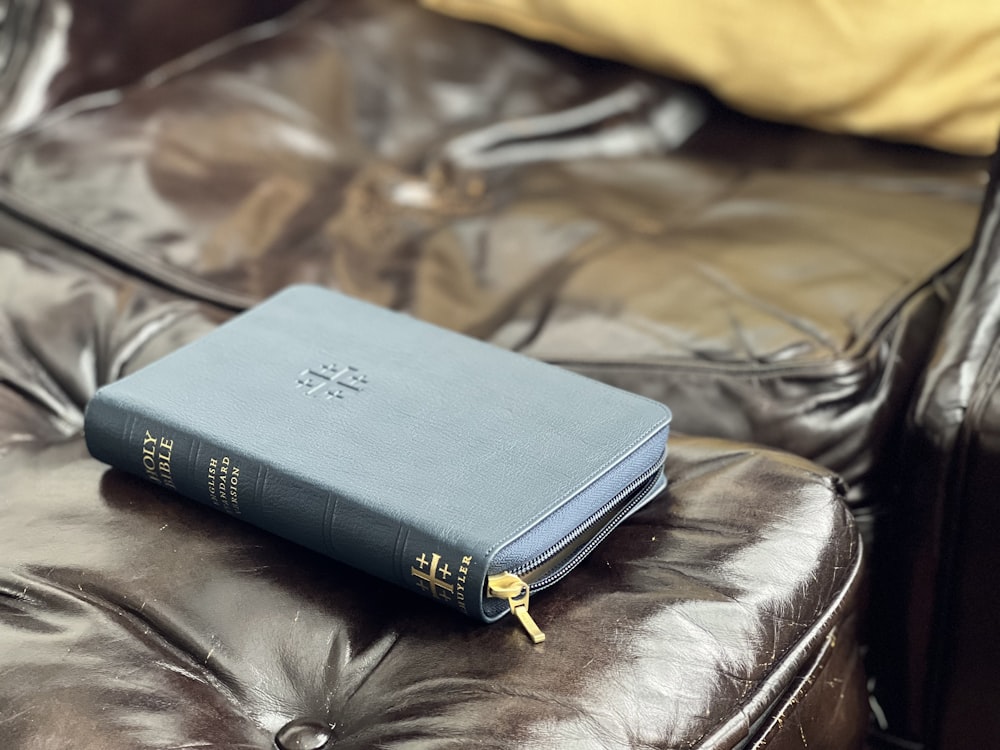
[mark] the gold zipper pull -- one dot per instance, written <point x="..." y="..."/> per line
<point x="508" y="586"/>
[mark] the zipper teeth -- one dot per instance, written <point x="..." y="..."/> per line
<point x="586" y="549"/>
<point x="582" y="528"/>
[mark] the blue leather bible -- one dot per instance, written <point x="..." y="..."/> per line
<point x="459" y="470"/>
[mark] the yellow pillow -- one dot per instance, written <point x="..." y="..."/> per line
<point x="925" y="71"/>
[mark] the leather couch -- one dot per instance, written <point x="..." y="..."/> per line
<point x="812" y="293"/>
<point x="950" y="503"/>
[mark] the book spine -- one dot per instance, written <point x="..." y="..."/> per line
<point x="149" y="446"/>
<point x="175" y="459"/>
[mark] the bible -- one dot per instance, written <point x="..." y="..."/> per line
<point x="464" y="472"/>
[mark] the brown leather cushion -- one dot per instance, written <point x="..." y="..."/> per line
<point x="130" y="617"/>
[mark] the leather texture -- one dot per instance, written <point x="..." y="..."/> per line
<point x="380" y="440"/>
<point x="462" y="175"/>
<point x="771" y="284"/>
<point x="133" y="618"/>
<point x="818" y="278"/>
<point x="949" y="665"/>
<point x="57" y="51"/>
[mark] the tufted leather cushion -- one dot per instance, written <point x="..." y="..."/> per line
<point x="723" y="614"/>
<point x="130" y="618"/>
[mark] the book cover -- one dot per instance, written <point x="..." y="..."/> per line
<point x="416" y="454"/>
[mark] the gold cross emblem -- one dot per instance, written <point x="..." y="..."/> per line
<point x="433" y="577"/>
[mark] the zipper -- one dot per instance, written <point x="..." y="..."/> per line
<point x="510" y="587"/>
<point x="516" y="585"/>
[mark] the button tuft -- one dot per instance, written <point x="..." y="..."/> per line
<point x="304" y="734"/>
